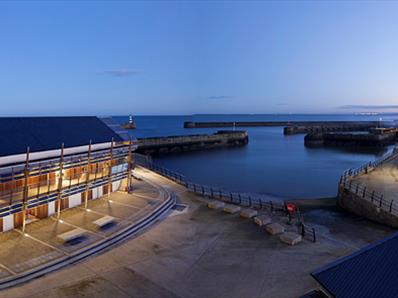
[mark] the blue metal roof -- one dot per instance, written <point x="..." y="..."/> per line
<point x="48" y="133"/>
<point x="370" y="272"/>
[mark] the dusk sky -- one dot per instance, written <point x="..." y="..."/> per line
<point x="151" y="58"/>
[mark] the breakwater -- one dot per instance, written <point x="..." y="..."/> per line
<point x="171" y="144"/>
<point x="297" y="126"/>
<point x="373" y="137"/>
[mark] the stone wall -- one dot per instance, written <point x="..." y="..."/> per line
<point x="362" y="207"/>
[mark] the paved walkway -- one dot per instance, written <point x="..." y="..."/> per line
<point x="383" y="180"/>
<point x="20" y="252"/>
<point x="199" y="252"/>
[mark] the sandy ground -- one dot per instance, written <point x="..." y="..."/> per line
<point x="199" y="252"/>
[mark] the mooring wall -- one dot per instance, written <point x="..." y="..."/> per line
<point x="191" y="142"/>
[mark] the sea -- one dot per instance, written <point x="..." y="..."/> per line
<point x="271" y="164"/>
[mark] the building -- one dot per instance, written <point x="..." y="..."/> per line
<point x="369" y="272"/>
<point x="48" y="164"/>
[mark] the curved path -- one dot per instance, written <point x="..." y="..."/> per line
<point x="37" y="252"/>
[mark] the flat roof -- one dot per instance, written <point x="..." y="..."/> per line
<point x="370" y="272"/>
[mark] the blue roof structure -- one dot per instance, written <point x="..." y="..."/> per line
<point x="48" y="133"/>
<point x="369" y="272"/>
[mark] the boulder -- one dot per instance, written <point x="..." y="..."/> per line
<point x="262" y="220"/>
<point x="275" y="229"/>
<point x="291" y="238"/>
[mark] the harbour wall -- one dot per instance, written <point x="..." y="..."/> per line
<point x="171" y="144"/>
<point x="298" y="126"/>
<point x="349" y="139"/>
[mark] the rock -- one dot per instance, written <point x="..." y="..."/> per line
<point x="232" y="209"/>
<point x="248" y="213"/>
<point x="275" y="228"/>
<point x="291" y="238"/>
<point x="262" y="220"/>
<point x="215" y="205"/>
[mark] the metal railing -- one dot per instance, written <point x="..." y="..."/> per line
<point x="237" y="198"/>
<point x="371" y="196"/>
<point x="362" y="192"/>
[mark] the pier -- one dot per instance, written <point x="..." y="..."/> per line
<point x="170" y="144"/>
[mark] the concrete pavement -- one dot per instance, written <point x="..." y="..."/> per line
<point x="207" y="253"/>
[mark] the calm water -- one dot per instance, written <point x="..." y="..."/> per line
<point x="271" y="163"/>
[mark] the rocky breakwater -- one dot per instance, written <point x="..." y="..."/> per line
<point x="173" y="144"/>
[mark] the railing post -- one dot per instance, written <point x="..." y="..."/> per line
<point x="60" y="181"/>
<point x="391" y="205"/>
<point x="25" y="189"/>
<point x="381" y="200"/>
<point x="356" y="189"/>
<point x="232" y="198"/>
<point x="313" y="232"/>
<point x="364" y="192"/>
<point x="240" y="199"/>
<point x="373" y="196"/>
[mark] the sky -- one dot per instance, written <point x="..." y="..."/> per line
<point x="191" y="57"/>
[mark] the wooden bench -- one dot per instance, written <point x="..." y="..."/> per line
<point x="103" y="221"/>
<point x="71" y="235"/>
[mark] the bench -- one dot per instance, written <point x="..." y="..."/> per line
<point x="71" y="235"/>
<point x="103" y="221"/>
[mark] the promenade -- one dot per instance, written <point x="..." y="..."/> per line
<point x="383" y="180"/>
<point x="198" y="252"/>
<point x="40" y="245"/>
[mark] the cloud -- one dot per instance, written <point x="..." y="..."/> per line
<point x="369" y="107"/>
<point x="121" y="72"/>
<point x="220" y="97"/>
